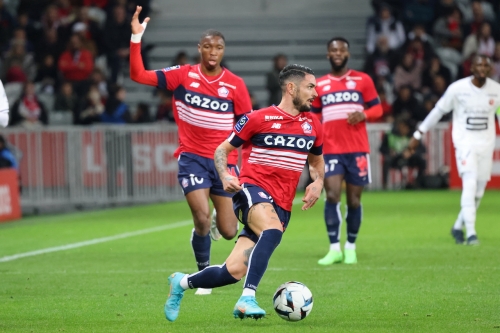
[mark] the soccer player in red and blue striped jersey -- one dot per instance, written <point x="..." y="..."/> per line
<point x="346" y="100"/>
<point x="207" y="101"/>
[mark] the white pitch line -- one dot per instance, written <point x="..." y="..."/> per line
<point x="95" y="241"/>
<point x="102" y="240"/>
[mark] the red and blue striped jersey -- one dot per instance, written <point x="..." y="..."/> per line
<point x="205" y="107"/>
<point x="275" y="146"/>
<point x="337" y="97"/>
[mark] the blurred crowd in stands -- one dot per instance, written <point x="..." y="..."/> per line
<point x="65" y="57"/>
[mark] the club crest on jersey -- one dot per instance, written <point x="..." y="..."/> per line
<point x="262" y="195"/>
<point x="239" y="125"/>
<point x="223" y="92"/>
<point x="307" y="128"/>
<point x="350" y="84"/>
<point x="171" y="68"/>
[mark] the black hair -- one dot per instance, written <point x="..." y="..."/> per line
<point x="213" y="33"/>
<point x="340" y="39"/>
<point x="293" y="72"/>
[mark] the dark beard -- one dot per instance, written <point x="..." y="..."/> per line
<point x="338" y="68"/>
<point x="299" y="106"/>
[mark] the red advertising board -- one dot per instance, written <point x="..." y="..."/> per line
<point x="494" y="183"/>
<point x="10" y="208"/>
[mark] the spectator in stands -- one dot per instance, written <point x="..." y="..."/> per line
<point x="255" y="103"/>
<point x="408" y="72"/>
<point x="99" y="79"/>
<point x="92" y="31"/>
<point x="382" y="61"/>
<point x="448" y="30"/>
<point x="116" y="111"/>
<point x="141" y="115"/>
<point x="418" y="12"/>
<point x="17" y="56"/>
<point x="164" y="111"/>
<point x="438" y="86"/>
<point x="387" y="116"/>
<point x="15" y="73"/>
<point x="385" y="24"/>
<point x="7" y="23"/>
<point x="28" y="111"/>
<point x="406" y="106"/>
<point x="88" y="44"/>
<point x="433" y="68"/>
<point x="50" y="19"/>
<point x="24" y="22"/>
<point x="496" y="63"/>
<point x="7" y="158"/>
<point x="90" y="109"/>
<point x="76" y="64"/>
<point x="66" y="99"/>
<point x="444" y="8"/>
<point x="428" y="104"/>
<point x="47" y="75"/>
<point x="49" y="44"/>
<point x="396" y="154"/>
<point x="19" y="37"/>
<point x="480" y="12"/>
<point x="419" y="51"/>
<point x="181" y="58"/>
<point x="117" y="40"/>
<point x="480" y="42"/>
<point x="272" y="79"/>
<point x="418" y="31"/>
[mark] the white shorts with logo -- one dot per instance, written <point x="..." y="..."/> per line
<point x="477" y="161"/>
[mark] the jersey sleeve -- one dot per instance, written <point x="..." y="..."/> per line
<point x="317" y="148"/>
<point x="244" y="129"/>
<point x="445" y="103"/>
<point x="4" y="104"/>
<point x="370" y="95"/>
<point x="242" y="102"/>
<point x="170" y="78"/>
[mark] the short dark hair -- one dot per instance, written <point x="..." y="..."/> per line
<point x="213" y="33"/>
<point x="341" y="39"/>
<point x="293" y="72"/>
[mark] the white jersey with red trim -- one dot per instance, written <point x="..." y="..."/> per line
<point x="204" y="107"/>
<point x="275" y="149"/>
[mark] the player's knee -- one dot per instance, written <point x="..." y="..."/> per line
<point x="228" y="233"/>
<point x="353" y="201"/>
<point x="332" y="197"/>
<point x="201" y="223"/>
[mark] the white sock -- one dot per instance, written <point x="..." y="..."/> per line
<point x="349" y="246"/>
<point x="335" y="247"/>
<point x="184" y="282"/>
<point x="248" y="292"/>
<point x="468" y="202"/>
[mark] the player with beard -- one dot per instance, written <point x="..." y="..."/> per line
<point x="276" y="142"/>
<point x="347" y="99"/>
<point x="207" y="101"/>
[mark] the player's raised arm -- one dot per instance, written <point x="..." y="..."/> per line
<point x="230" y="183"/>
<point x="317" y="172"/>
<point x="137" y="71"/>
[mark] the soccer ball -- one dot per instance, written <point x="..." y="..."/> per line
<point x="293" y="301"/>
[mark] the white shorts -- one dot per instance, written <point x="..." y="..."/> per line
<point x="477" y="161"/>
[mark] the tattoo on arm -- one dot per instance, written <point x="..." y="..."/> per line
<point x="247" y="254"/>
<point x="220" y="160"/>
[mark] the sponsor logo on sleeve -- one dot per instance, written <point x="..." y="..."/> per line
<point x="171" y="68"/>
<point x="307" y="128"/>
<point x="241" y="123"/>
<point x="223" y="92"/>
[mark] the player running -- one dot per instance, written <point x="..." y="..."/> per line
<point x="347" y="99"/>
<point x="474" y="101"/>
<point x="276" y="143"/>
<point x="208" y="100"/>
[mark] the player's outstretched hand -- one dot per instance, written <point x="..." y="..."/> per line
<point x="313" y="192"/>
<point x="231" y="184"/>
<point x="137" y="27"/>
<point x="356" y="117"/>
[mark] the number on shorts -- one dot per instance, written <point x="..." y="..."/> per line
<point x="332" y="164"/>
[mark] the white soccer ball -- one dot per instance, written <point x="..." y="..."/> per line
<point x="293" y="301"/>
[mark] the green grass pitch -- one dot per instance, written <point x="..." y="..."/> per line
<point x="411" y="277"/>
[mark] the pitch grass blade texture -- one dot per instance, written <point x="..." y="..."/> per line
<point x="411" y="277"/>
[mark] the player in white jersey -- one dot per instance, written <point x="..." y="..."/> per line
<point x="4" y="107"/>
<point x="474" y="101"/>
